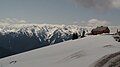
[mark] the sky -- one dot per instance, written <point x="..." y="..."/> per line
<point x="62" y="11"/>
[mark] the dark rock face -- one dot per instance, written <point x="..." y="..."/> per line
<point x="5" y="52"/>
<point x="58" y="37"/>
<point x="14" y="43"/>
<point x="100" y="30"/>
<point x="17" y="43"/>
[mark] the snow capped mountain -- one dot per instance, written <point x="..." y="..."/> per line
<point x="18" y="38"/>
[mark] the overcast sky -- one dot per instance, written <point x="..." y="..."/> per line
<point x="61" y="11"/>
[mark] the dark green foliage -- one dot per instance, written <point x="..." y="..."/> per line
<point x="75" y="36"/>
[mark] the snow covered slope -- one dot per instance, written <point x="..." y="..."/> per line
<point x="82" y="52"/>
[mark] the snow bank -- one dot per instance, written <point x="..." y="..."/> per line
<point x="83" y="52"/>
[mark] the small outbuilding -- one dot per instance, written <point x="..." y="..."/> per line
<point x="117" y="36"/>
<point x="100" y="30"/>
<point x="118" y="32"/>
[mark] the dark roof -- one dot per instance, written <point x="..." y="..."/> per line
<point x="100" y="28"/>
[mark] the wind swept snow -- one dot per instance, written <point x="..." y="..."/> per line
<point x="82" y="52"/>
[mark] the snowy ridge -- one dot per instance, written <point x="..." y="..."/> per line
<point x="6" y="28"/>
<point x="45" y="30"/>
<point x="49" y="28"/>
<point x="23" y="37"/>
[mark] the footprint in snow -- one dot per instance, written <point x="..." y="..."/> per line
<point x="13" y="62"/>
<point x="73" y="56"/>
<point x="111" y="46"/>
<point x="108" y="46"/>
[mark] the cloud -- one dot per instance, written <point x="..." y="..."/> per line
<point x="22" y="21"/>
<point x="12" y="21"/>
<point x="93" y="23"/>
<point x="116" y="3"/>
<point x="96" y="22"/>
<point x="98" y="4"/>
